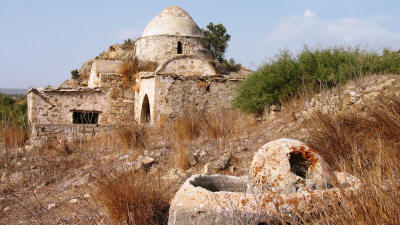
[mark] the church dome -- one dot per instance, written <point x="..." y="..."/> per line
<point x="173" y="21"/>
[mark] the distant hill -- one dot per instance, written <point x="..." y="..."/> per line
<point x="12" y="91"/>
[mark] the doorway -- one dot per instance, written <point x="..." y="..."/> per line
<point x="145" y="113"/>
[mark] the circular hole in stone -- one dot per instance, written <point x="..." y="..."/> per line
<point x="298" y="164"/>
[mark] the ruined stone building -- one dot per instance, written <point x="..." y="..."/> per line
<point x="176" y="71"/>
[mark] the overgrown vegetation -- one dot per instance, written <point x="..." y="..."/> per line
<point x="366" y="146"/>
<point x="13" y="121"/>
<point x="128" y="44"/>
<point x="132" y="137"/>
<point x="133" y="198"/>
<point x="75" y="74"/>
<point x="218" y="125"/>
<point x="286" y="76"/>
<point x="225" y="67"/>
<point x="218" y="38"/>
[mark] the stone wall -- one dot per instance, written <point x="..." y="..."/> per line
<point x="120" y="99"/>
<point x="104" y="67"/>
<point x="354" y="96"/>
<point x="146" y="87"/>
<point x="160" y="47"/>
<point x="174" y="95"/>
<point x="186" y="65"/>
<point x="56" y="105"/>
<point x="114" y="101"/>
<point x="43" y="132"/>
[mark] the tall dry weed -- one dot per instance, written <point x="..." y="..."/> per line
<point x="215" y="124"/>
<point x="133" y="197"/>
<point x="133" y="136"/>
<point x="367" y="146"/>
<point x="218" y="124"/>
<point x="13" y="136"/>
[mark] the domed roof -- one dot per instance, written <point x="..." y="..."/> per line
<point x="173" y="21"/>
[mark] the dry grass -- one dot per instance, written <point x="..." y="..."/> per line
<point x="222" y="123"/>
<point x="338" y="135"/>
<point x="129" y="72"/>
<point x="13" y="136"/>
<point x="366" y="146"/>
<point x="45" y="165"/>
<point x="132" y="137"/>
<point x="48" y="166"/>
<point x="217" y="125"/>
<point x="133" y="198"/>
<point x="188" y="126"/>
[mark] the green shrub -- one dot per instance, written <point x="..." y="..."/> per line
<point x="128" y="44"/>
<point x="287" y="76"/>
<point x="225" y="67"/>
<point x="75" y="74"/>
<point x="13" y="112"/>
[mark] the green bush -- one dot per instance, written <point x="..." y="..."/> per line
<point x="13" y="111"/>
<point x="287" y="76"/>
<point x="75" y="74"/>
<point x="225" y="67"/>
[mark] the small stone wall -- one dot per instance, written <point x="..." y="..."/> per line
<point x="104" y="67"/>
<point x="70" y="131"/>
<point x="113" y="100"/>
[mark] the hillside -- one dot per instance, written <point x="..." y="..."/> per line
<point x="12" y="91"/>
<point x="75" y="182"/>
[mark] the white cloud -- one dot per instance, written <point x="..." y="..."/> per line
<point x="294" y="31"/>
<point x="308" y="13"/>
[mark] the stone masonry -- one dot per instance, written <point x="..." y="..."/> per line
<point x="181" y="77"/>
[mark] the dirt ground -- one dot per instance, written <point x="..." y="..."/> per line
<point x="57" y="188"/>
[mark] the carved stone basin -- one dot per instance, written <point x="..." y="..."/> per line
<point x="222" y="199"/>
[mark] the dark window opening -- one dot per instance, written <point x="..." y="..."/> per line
<point x="208" y="87"/>
<point x="179" y="47"/>
<point x="145" y="113"/>
<point x="85" y="117"/>
<point x="298" y="164"/>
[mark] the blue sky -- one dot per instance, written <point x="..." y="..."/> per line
<point x="42" y="41"/>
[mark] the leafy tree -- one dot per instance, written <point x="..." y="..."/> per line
<point x="218" y="38"/>
<point x="75" y="74"/>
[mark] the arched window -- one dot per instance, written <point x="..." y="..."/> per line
<point x="145" y="114"/>
<point x="179" y="47"/>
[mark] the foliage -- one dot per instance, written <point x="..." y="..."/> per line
<point x="133" y="197"/>
<point x="218" y="38"/>
<point x="366" y="146"/>
<point x="128" y="41"/>
<point x="286" y="76"/>
<point x="128" y="44"/>
<point x="13" y="111"/>
<point x="75" y="74"/>
<point x="225" y="67"/>
<point x="13" y="121"/>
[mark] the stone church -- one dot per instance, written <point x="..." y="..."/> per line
<point x="181" y="75"/>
